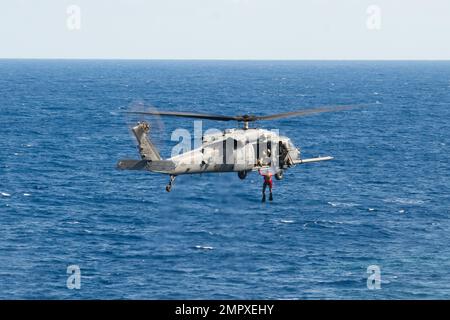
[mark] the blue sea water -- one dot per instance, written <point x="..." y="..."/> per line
<point x="384" y="199"/>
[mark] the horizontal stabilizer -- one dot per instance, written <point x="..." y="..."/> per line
<point x="133" y="164"/>
<point x="156" y="166"/>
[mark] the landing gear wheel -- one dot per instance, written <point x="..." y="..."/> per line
<point x="168" y="188"/>
<point x="279" y="175"/>
<point x="242" y="174"/>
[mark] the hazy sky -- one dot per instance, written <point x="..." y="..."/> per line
<point x="225" y="29"/>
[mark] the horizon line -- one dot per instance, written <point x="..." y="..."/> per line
<point x="230" y="59"/>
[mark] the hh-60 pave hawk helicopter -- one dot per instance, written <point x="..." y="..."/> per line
<point x="239" y="150"/>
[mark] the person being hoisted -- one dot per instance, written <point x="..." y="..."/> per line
<point x="267" y="183"/>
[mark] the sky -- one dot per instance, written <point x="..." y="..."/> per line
<point x="226" y="29"/>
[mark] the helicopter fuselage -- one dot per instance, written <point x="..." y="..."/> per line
<point x="236" y="150"/>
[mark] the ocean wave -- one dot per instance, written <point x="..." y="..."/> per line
<point x="342" y="204"/>
<point x="204" y="247"/>
<point x="405" y="201"/>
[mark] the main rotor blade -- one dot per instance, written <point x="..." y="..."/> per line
<point x="304" y="112"/>
<point x="249" y="118"/>
<point x="187" y="115"/>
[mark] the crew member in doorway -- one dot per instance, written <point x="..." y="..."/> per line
<point x="267" y="183"/>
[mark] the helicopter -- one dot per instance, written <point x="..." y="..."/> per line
<point x="240" y="150"/>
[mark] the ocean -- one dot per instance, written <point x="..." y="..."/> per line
<point x="383" y="201"/>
